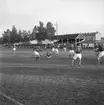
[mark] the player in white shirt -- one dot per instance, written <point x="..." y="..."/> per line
<point x="14" y="49"/>
<point x="36" y="54"/>
<point x="71" y="51"/>
<point x="77" y="55"/>
<point x="99" y="52"/>
<point x="55" y="50"/>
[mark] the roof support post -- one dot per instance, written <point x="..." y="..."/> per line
<point x="67" y="41"/>
<point x="75" y="41"/>
<point x="62" y="41"/>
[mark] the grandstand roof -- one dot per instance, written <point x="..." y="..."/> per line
<point x="74" y="36"/>
<point x="99" y="41"/>
<point x="66" y="36"/>
<point x="90" y="33"/>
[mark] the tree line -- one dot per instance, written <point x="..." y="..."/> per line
<point x="38" y="33"/>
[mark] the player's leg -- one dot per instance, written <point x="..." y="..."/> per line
<point x="80" y="62"/>
<point x="98" y="61"/>
<point x="73" y="59"/>
<point x="72" y="62"/>
<point x="57" y="51"/>
<point x="36" y="58"/>
<point x="53" y="51"/>
<point x="13" y="50"/>
<point x="80" y="59"/>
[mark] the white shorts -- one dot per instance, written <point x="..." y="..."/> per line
<point x="101" y="54"/>
<point x="57" y="51"/>
<point x="76" y="55"/>
<point x="64" y="48"/>
<point x="53" y="49"/>
<point x="14" y="49"/>
<point x="36" y="53"/>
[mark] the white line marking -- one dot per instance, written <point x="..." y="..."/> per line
<point x="47" y="65"/>
<point x="32" y="65"/>
<point x="9" y="98"/>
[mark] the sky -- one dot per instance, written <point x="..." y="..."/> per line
<point x="71" y="16"/>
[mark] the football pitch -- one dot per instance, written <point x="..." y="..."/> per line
<point x="25" y="81"/>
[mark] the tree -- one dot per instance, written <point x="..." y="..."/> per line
<point x="50" y="30"/>
<point x="42" y="33"/>
<point x="14" y="35"/>
<point x="33" y="35"/>
<point x="25" y="36"/>
<point x="29" y="35"/>
<point x="1" y="40"/>
<point x="6" y="36"/>
<point x="20" y="36"/>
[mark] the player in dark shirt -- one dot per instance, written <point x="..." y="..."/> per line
<point x="78" y="49"/>
<point x="101" y="47"/>
<point x="48" y="55"/>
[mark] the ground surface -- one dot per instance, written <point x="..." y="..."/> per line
<point x="50" y="81"/>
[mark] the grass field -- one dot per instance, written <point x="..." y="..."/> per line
<point x="50" y="81"/>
